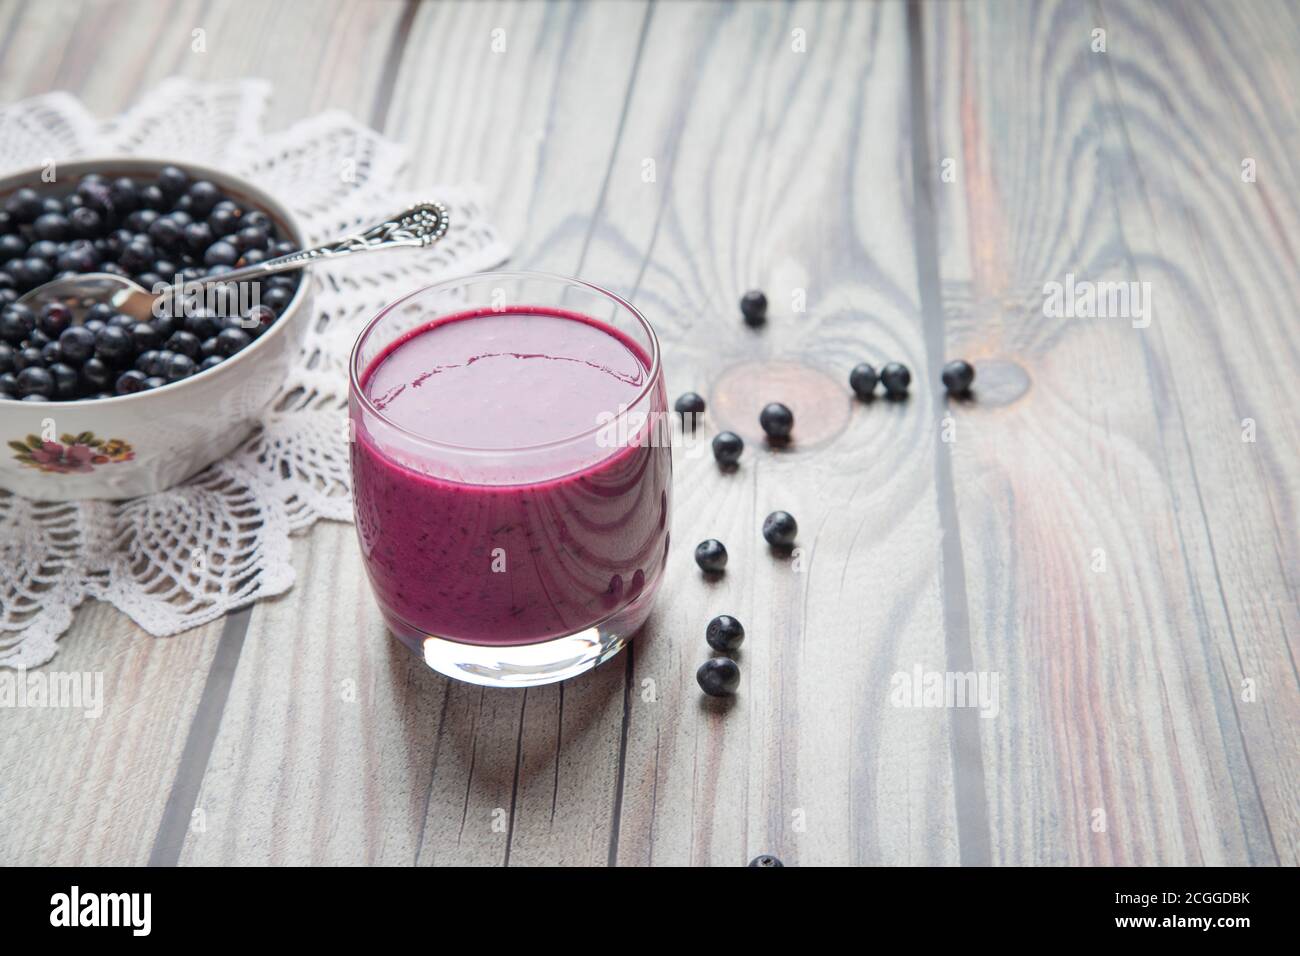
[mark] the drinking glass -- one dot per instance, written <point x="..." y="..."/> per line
<point x="511" y="474"/>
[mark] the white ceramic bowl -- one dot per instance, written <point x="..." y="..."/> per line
<point x="137" y="444"/>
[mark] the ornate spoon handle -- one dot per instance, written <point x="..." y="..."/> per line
<point x="421" y="225"/>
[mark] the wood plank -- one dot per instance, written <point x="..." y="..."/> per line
<point x="466" y="756"/>
<point x="95" y="791"/>
<point x="771" y="172"/>
<point x="1122" y="691"/>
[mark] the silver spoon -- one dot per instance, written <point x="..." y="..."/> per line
<point x="421" y="225"/>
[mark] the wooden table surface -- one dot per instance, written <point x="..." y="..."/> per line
<point x="1110" y="528"/>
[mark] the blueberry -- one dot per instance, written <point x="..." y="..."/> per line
<point x="46" y="249"/>
<point x="203" y="196"/>
<point x="179" y="366"/>
<point x="252" y="238"/>
<point x="11" y="247"/>
<point x="958" y="376"/>
<point x="167" y="233"/>
<point x="863" y="380"/>
<point x="727" y="447"/>
<point x="6" y="357"/>
<point x="276" y="298"/>
<point x="95" y="195"/>
<point x="9" y="383"/>
<point x="753" y="306"/>
<point x="100" y="312"/>
<point x="221" y="253"/>
<point x="146" y="360"/>
<point x="209" y="347"/>
<point x="81" y="258"/>
<point x="252" y="257"/>
<point x="165" y="325"/>
<point x="145" y="336"/>
<point x="725" y="633"/>
<point x="895" y="377"/>
<point x="230" y="341"/>
<point x="65" y="380"/>
<point x="767" y="861"/>
<point x="780" y="528"/>
<point x="138" y="255"/>
<point x="24" y="205"/>
<point x="212" y="361"/>
<point x="51" y="226"/>
<point x="117" y="240"/>
<point x="777" y="421"/>
<point x="173" y="181"/>
<point x="202" y="323"/>
<point x="711" y="556"/>
<point x="223" y="222"/>
<point x="51" y="354"/>
<point x="54" y="319"/>
<point x="35" y="380"/>
<point x="77" y="343"/>
<point x="690" y="404"/>
<point x="113" y="344"/>
<point x="140" y="220"/>
<point x="38" y="271"/>
<point x="16" y="322"/>
<point x="198" y="236"/>
<point x="151" y="197"/>
<point x="130" y="382"/>
<point x="29" y="357"/>
<point x="124" y="195"/>
<point x="38" y="339"/>
<point x="154" y="381"/>
<point x="186" y="343"/>
<point x="719" y="677"/>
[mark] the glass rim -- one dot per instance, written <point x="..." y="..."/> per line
<point x="354" y="372"/>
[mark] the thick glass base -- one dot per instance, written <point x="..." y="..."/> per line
<point x="518" y="665"/>
<point x="524" y="665"/>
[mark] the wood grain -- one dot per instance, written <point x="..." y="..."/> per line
<point x="74" y="790"/>
<point x="1105" y="442"/>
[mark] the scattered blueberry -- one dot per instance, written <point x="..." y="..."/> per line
<point x="711" y="556"/>
<point x="780" y="528"/>
<point x="863" y="380"/>
<point x="777" y="421"/>
<point x="727" y="447"/>
<point x="958" y="376"/>
<point x="690" y="404"/>
<point x="725" y="633"/>
<point x="895" y="377"/>
<point x="718" y="677"/>
<point x="767" y="861"/>
<point x="753" y="306"/>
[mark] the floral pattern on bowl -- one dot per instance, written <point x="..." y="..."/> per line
<point x="71" y="454"/>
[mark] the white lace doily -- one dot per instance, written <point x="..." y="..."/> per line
<point x="189" y="555"/>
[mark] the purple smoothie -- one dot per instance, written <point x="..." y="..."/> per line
<point x="491" y="506"/>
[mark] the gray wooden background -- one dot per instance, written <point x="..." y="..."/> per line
<point x="1097" y="533"/>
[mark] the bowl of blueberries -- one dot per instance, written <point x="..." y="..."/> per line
<point x="95" y="403"/>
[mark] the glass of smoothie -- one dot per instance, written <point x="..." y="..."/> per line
<point x="511" y="474"/>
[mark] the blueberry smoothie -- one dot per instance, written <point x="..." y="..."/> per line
<point x="508" y="481"/>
